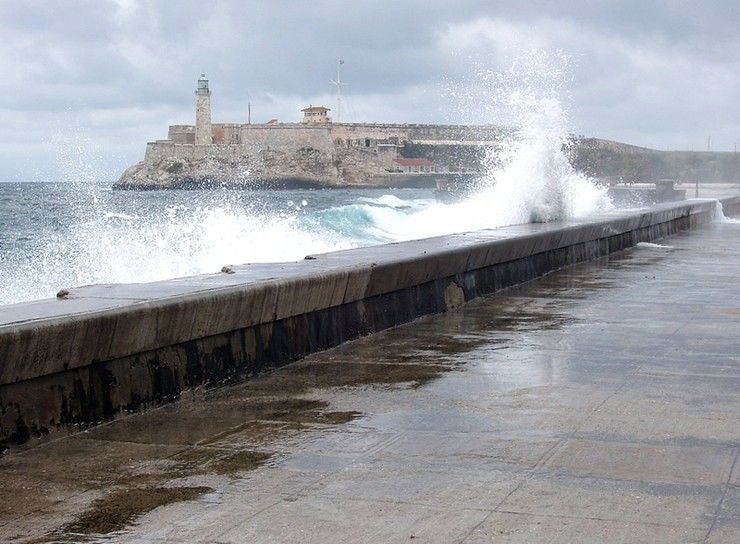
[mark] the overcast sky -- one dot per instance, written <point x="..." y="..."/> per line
<point x="87" y="83"/>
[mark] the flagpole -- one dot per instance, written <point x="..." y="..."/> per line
<point x="338" y="83"/>
<point x="339" y="92"/>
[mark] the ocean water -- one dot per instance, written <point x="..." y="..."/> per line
<point x="61" y="235"/>
<point x="55" y="236"/>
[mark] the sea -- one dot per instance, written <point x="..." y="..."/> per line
<point x="61" y="235"/>
<point x="57" y="235"/>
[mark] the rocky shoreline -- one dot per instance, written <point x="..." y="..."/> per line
<point x="217" y="166"/>
<point x="304" y="168"/>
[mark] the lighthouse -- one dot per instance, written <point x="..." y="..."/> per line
<point x="203" y="112"/>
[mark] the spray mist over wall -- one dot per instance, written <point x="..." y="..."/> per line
<point x="528" y="175"/>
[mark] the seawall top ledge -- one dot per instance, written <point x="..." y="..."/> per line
<point x="107" y="321"/>
<point x="103" y="297"/>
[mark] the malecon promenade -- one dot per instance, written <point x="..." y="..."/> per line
<point x="597" y="403"/>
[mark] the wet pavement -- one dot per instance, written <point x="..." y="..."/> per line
<point x="597" y="404"/>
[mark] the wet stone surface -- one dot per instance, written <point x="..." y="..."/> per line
<point x="597" y="404"/>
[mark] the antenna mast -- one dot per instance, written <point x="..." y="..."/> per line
<point x="338" y="83"/>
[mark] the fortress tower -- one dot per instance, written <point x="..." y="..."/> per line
<point x="203" y="133"/>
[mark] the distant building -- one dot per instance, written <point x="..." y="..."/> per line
<point x="315" y="114"/>
<point x="414" y="165"/>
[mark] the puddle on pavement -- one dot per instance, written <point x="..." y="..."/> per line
<point x="203" y="460"/>
<point x="316" y="374"/>
<point x="290" y="410"/>
<point x="239" y="462"/>
<point x="140" y="493"/>
<point x="120" y="508"/>
<point x="260" y="432"/>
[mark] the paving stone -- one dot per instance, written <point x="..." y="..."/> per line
<point x="525" y="528"/>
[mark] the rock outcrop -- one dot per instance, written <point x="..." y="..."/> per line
<point x="305" y="167"/>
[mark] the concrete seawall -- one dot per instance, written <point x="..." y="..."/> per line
<point x="108" y="349"/>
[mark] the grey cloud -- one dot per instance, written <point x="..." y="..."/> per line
<point x="649" y="72"/>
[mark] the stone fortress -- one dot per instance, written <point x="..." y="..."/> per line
<point x="314" y="152"/>
<point x="317" y="152"/>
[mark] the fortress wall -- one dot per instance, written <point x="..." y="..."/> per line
<point x="454" y="133"/>
<point x="287" y="137"/>
<point x="226" y="133"/>
<point x="112" y="349"/>
<point x="358" y="133"/>
<point x="181" y="134"/>
<point x="402" y="132"/>
<point x="293" y="136"/>
<point x="231" y="152"/>
<point x="157" y="151"/>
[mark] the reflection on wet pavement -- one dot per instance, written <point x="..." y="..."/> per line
<point x="596" y="403"/>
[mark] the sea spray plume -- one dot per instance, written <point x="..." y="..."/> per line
<point x="530" y="171"/>
<point x="528" y="174"/>
<point x="719" y="214"/>
<point x="79" y="162"/>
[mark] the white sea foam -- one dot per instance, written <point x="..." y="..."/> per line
<point x="650" y="245"/>
<point x="392" y="201"/>
<point x="182" y="242"/>
<point x="719" y="214"/>
<point x="118" y="215"/>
